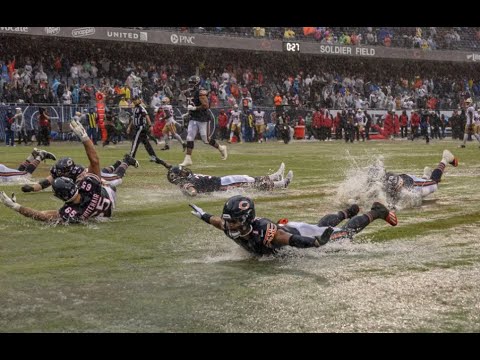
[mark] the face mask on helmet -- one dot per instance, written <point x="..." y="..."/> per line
<point x="238" y="210"/>
<point x="65" y="189"/>
<point x="393" y="183"/>
<point x="194" y="81"/>
<point x="63" y="167"/>
<point x="178" y="173"/>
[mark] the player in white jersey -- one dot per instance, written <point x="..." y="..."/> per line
<point x="259" y="123"/>
<point x="235" y="124"/>
<point x="470" y="127"/>
<point x="476" y="124"/>
<point x="169" y="127"/>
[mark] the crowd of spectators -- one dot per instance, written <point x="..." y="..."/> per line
<point x="72" y="71"/>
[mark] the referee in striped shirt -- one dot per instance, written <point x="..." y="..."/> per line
<point x="140" y="123"/>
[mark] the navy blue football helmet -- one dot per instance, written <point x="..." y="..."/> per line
<point x="194" y="81"/>
<point x="239" y="207"/>
<point x="178" y="173"/>
<point x="63" y="167"/>
<point x="64" y="188"/>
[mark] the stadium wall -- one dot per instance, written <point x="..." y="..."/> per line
<point x="180" y="39"/>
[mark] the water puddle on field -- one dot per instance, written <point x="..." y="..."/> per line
<point x="428" y="283"/>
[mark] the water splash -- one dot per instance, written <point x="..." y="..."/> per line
<point x="364" y="184"/>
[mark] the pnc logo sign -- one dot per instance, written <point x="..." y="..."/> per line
<point x="182" y="39"/>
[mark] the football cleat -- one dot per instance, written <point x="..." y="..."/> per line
<point x="384" y="213"/>
<point x="187" y="161"/>
<point x="449" y="158"/>
<point x="223" y="151"/>
<point x="288" y="179"/>
<point x="392" y="218"/>
<point x="427" y="173"/>
<point x="279" y="174"/>
<point x="166" y="147"/>
<point x="43" y="154"/>
<point x="352" y="211"/>
<point x="130" y="160"/>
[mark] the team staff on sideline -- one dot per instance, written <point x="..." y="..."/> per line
<point x="83" y="201"/>
<point x="26" y="168"/>
<point x="140" y="123"/>
<point x="197" y="107"/>
<point x="261" y="236"/>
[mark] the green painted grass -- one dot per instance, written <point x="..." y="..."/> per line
<point x="156" y="268"/>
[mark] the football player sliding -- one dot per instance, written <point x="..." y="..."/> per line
<point x="261" y="236"/>
<point x="192" y="184"/>
<point x="84" y="200"/>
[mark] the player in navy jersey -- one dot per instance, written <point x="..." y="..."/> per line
<point x="261" y="236"/>
<point x="84" y="200"/>
<point x="199" y="118"/>
<point x="111" y="175"/>
<point x="193" y="184"/>
<point x="400" y="186"/>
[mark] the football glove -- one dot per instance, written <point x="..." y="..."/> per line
<point x="27" y="188"/>
<point x="78" y="130"/>
<point x="9" y="202"/>
<point x="197" y="211"/>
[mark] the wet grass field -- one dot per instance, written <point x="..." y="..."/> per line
<point x="153" y="267"/>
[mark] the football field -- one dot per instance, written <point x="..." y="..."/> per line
<point x="153" y="267"/>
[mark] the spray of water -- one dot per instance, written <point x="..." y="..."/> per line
<point x="364" y="184"/>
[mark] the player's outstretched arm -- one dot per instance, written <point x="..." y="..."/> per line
<point x="42" y="184"/>
<point x="209" y="219"/>
<point x="48" y="215"/>
<point x="92" y="155"/>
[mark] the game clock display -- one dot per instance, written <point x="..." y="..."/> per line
<point x="291" y="46"/>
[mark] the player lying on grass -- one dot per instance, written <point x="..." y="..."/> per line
<point x="397" y="190"/>
<point x="262" y="236"/>
<point x="193" y="184"/>
<point x="24" y="171"/>
<point x="111" y="175"/>
<point x="85" y="199"/>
